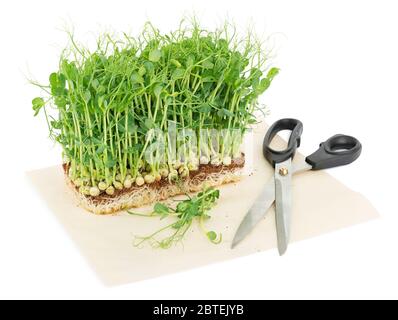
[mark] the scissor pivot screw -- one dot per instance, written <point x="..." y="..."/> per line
<point x="283" y="172"/>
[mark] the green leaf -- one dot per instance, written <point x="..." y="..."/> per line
<point x="255" y="74"/>
<point x="205" y="108"/>
<point x="178" y="74"/>
<point x="96" y="141"/>
<point x="57" y="83"/>
<point x="149" y="124"/>
<point x="263" y="85"/>
<point x="272" y="73"/>
<point x="101" y="89"/>
<point x="120" y="127"/>
<point x="110" y="163"/>
<point x="134" y="149"/>
<point x="190" y="61"/>
<point x="56" y="124"/>
<point x="101" y="102"/>
<point x="208" y="79"/>
<point x="53" y="79"/>
<point x="207" y="64"/>
<point x="37" y="104"/>
<point x="176" y="63"/>
<point x="161" y="209"/>
<point x="87" y="96"/>
<point x="60" y="102"/>
<point x="86" y="159"/>
<point x="141" y="71"/>
<point x="95" y="84"/>
<point x="70" y="70"/>
<point x="155" y="55"/>
<point x="136" y="78"/>
<point x="157" y="89"/>
<point x="149" y="66"/>
<point x="100" y="149"/>
<point x="224" y="113"/>
<point x="182" y="206"/>
<point x="131" y="126"/>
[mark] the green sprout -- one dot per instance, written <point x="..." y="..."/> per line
<point x="104" y="106"/>
<point x="186" y="211"/>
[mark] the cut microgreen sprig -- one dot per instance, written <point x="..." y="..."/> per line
<point x="196" y="207"/>
<point x="102" y="106"/>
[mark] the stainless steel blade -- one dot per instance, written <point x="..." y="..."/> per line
<point x="258" y="210"/>
<point x="283" y="201"/>
<point x="261" y="205"/>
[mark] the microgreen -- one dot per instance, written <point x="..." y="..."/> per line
<point x="102" y="105"/>
<point x="193" y="208"/>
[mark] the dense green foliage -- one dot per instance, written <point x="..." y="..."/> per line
<point x="103" y="105"/>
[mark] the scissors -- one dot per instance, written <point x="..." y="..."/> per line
<point x="337" y="151"/>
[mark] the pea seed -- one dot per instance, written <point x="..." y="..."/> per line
<point x="139" y="181"/>
<point x="149" y="178"/>
<point x="94" y="191"/>
<point x="102" y="186"/>
<point x="110" y="190"/>
<point x="118" y="185"/>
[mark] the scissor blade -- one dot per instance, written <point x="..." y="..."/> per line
<point x="261" y="206"/>
<point x="256" y="213"/>
<point x="283" y="200"/>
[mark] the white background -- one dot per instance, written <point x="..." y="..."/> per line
<point x="339" y="67"/>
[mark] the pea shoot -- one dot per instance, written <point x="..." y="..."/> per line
<point x="104" y="106"/>
<point x="193" y="208"/>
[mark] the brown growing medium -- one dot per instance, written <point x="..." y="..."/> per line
<point x="200" y="175"/>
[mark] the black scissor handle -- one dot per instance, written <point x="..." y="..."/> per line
<point x="338" y="150"/>
<point x="274" y="156"/>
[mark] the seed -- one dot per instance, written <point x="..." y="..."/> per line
<point x="85" y="180"/>
<point x="183" y="171"/>
<point x="227" y="161"/>
<point x="128" y="183"/>
<point x="110" y="190"/>
<point x="192" y="166"/>
<point x="118" y="185"/>
<point x="149" y="178"/>
<point x="173" y="175"/>
<point x="139" y="181"/>
<point x="94" y="191"/>
<point x="84" y="190"/>
<point x="184" y="174"/>
<point x="215" y="162"/>
<point x="204" y="160"/>
<point x="164" y="172"/>
<point x="158" y="177"/>
<point x="78" y="182"/>
<point x="177" y="165"/>
<point x="102" y="185"/>
<point x="118" y="177"/>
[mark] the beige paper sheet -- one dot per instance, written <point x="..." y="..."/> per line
<point x="321" y="204"/>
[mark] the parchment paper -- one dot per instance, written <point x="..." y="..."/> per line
<point x="321" y="204"/>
